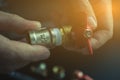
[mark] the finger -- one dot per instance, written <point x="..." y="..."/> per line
<point x="86" y="7"/>
<point x="100" y="38"/>
<point x="15" y="23"/>
<point x="21" y="51"/>
<point x="104" y="31"/>
<point x="103" y="11"/>
<point x="13" y="35"/>
<point x="82" y="6"/>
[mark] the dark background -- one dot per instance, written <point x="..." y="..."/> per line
<point x="104" y="65"/>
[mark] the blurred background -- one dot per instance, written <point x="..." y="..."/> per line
<point x="104" y="65"/>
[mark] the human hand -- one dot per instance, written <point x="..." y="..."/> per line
<point x="100" y="20"/>
<point x="16" y="54"/>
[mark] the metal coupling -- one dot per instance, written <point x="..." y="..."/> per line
<point x="88" y="33"/>
<point x="49" y="37"/>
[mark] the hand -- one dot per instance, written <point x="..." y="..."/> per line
<point x="100" y="19"/>
<point x="16" y="54"/>
<point x="104" y="32"/>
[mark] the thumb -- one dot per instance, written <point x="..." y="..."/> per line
<point x="15" y="23"/>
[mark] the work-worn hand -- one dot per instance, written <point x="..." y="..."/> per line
<point x="16" y="54"/>
<point x="100" y="19"/>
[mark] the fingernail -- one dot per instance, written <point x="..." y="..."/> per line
<point x="38" y="24"/>
<point x="92" y="22"/>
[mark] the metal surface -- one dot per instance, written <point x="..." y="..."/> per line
<point x="50" y="37"/>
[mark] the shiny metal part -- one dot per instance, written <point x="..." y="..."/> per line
<point x="50" y="37"/>
<point x="42" y="37"/>
<point x="88" y="33"/>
